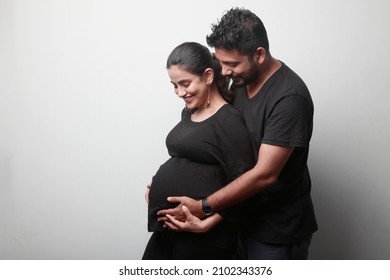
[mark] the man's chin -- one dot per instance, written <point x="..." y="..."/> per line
<point x="239" y="84"/>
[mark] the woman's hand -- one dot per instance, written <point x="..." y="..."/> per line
<point x="193" y="223"/>
<point x="194" y="206"/>
<point x="147" y="192"/>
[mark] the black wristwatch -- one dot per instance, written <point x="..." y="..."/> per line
<point x="206" y="208"/>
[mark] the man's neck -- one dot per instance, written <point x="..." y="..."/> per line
<point x="270" y="66"/>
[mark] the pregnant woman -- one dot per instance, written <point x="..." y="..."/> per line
<point x="208" y="148"/>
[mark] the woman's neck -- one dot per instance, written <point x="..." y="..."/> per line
<point x="204" y="112"/>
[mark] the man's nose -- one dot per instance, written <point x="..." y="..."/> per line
<point x="226" y="71"/>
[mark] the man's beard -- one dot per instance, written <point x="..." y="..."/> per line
<point x="249" y="77"/>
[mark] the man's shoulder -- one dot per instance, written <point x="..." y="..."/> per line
<point x="291" y="79"/>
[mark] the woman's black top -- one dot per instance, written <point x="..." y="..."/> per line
<point x="205" y="156"/>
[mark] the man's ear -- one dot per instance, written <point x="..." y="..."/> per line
<point x="260" y="54"/>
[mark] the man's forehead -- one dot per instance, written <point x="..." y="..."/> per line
<point x="228" y="55"/>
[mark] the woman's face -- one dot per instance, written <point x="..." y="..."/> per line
<point x="192" y="88"/>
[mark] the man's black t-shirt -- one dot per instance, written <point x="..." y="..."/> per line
<point x="281" y="114"/>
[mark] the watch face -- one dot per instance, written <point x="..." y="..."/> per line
<point x="207" y="210"/>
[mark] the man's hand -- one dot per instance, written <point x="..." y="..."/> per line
<point x="193" y="223"/>
<point x="194" y="206"/>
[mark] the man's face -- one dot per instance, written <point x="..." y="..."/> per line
<point x="237" y="67"/>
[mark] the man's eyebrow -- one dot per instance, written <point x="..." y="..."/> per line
<point x="230" y="62"/>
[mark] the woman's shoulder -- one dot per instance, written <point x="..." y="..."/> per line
<point x="228" y="110"/>
<point x="228" y="113"/>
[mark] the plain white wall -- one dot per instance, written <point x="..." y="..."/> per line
<point x="85" y="105"/>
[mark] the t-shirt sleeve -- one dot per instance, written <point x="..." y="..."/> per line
<point x="289" y="123"/>
<point x="238" y="155"/>
<point x="237" y="147"/>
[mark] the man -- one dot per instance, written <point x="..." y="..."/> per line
<point x="278" y="110"/>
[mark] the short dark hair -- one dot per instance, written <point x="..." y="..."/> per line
<point x="239" y="29"/>
<point x="196" y="58"/>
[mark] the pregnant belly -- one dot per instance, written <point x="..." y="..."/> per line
<point x="182" y="177"/>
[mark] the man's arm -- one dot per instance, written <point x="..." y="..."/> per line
<point x="271" y="160"/>
<point x="270" y="163"/>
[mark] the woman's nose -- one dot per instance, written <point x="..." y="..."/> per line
<point x="181" y="92"/>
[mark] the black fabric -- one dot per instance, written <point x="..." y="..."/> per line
<point x="205" y="156"/>
<point x="170" y="245"/>
<point x="281" y="114"/>
<point x="256" y="250"/>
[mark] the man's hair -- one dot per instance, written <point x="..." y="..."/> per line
<point x="239" y="29"/>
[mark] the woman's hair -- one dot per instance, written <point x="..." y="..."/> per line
<point x="196" y="58"/>
<point x="239" y="29"/>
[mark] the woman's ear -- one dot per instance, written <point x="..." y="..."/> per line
<point x="208" y="76"/>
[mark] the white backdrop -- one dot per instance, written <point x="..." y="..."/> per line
<point x="86" y="103"/>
